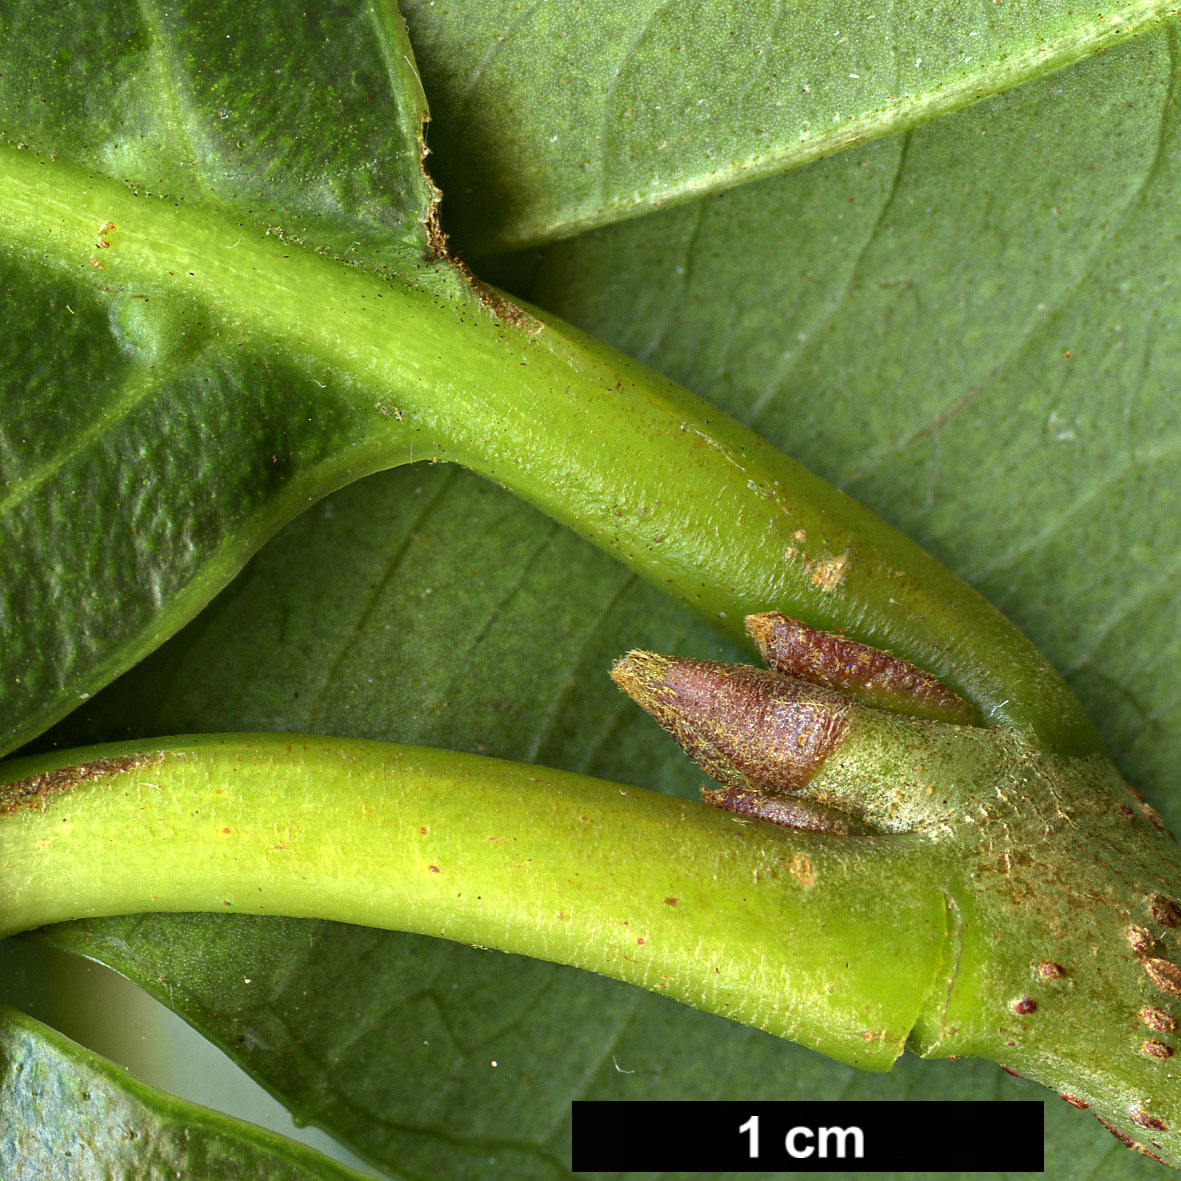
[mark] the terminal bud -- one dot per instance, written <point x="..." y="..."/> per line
<point x="745" y="726"/>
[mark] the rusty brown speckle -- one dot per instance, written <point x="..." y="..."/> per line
<point x="1158" y="1019"/>
<point x="1126" y="812"/>
<point x="1164" y="974"/>
<point x="1153" y="818"/>
<point x="1157" y="1050"/>
<point x="1140" y="940"/>
<point x="671" y="901"/>
<point x="1049" y="970"/>
<point x="1142" y="1119"/>
<point x="35" y="791"/>
<point x="1165" y="910"/>
<point x="1024" y="1005"/>
<point x="1075" y="1101"/>
<point x="1122" y="1137"/>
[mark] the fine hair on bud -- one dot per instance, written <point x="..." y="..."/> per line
<point x="746" y="727"/>
<point x="871" y="676"/>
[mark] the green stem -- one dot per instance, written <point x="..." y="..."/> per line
<point x="1028" y="914"/>
<point x="785" y="931"/>
<point x="691" y="500"/>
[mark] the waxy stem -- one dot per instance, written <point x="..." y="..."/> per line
<point x="431" y="364"/>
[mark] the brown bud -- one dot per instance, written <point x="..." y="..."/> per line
<point x="744" y="726"/>
<point x="873" y="677"/>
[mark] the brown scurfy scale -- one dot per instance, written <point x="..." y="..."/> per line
<point x="1158" y="1019"/>
<point x="1164" y="974"/>
<point x="1049" y="970"/>
<point x="34" y="792"/>
<point x="1140" y="940"/>
<point x="1153" y="818"/>
<point x="1149" y="1123"/>
<point x="1122" y="1137"/>
<point x="1075" y="1101"/>
<point x="1165" y="911"/>
<point x="1159" y="1050"/>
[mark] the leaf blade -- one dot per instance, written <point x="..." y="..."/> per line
<point x="563" y="611"/>
<point x="70" y="1114"/>
<point x="128" y="390"/>
<point x="576" y="116"/>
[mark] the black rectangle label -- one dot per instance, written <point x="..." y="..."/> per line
<point x="936" y="1136"/>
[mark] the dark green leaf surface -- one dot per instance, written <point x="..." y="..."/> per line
<point x="147" y="445"/>
<point x="312" y="133"/>
<point x="900" y="317"/>
<point x="549" y="118"/>
<point x="972" y="330"/>
<point x="70" y="1115"/>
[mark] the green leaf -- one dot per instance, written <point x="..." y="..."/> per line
<point x="969" y="328"/>
<point x="150" y="439"/>
<point x="141" y="494"/>
<point x="552" y="118"/>
<point x="899" y="316"/>
<point x="73" y="1116"/>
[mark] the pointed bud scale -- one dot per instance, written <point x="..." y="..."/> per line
<point x="873" y="677"/>
<point x="744" y="726"/>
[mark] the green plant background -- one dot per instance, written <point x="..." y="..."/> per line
<point x="971" y="325"/>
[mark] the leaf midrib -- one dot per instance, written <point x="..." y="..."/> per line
<point x="256" y="289"/>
